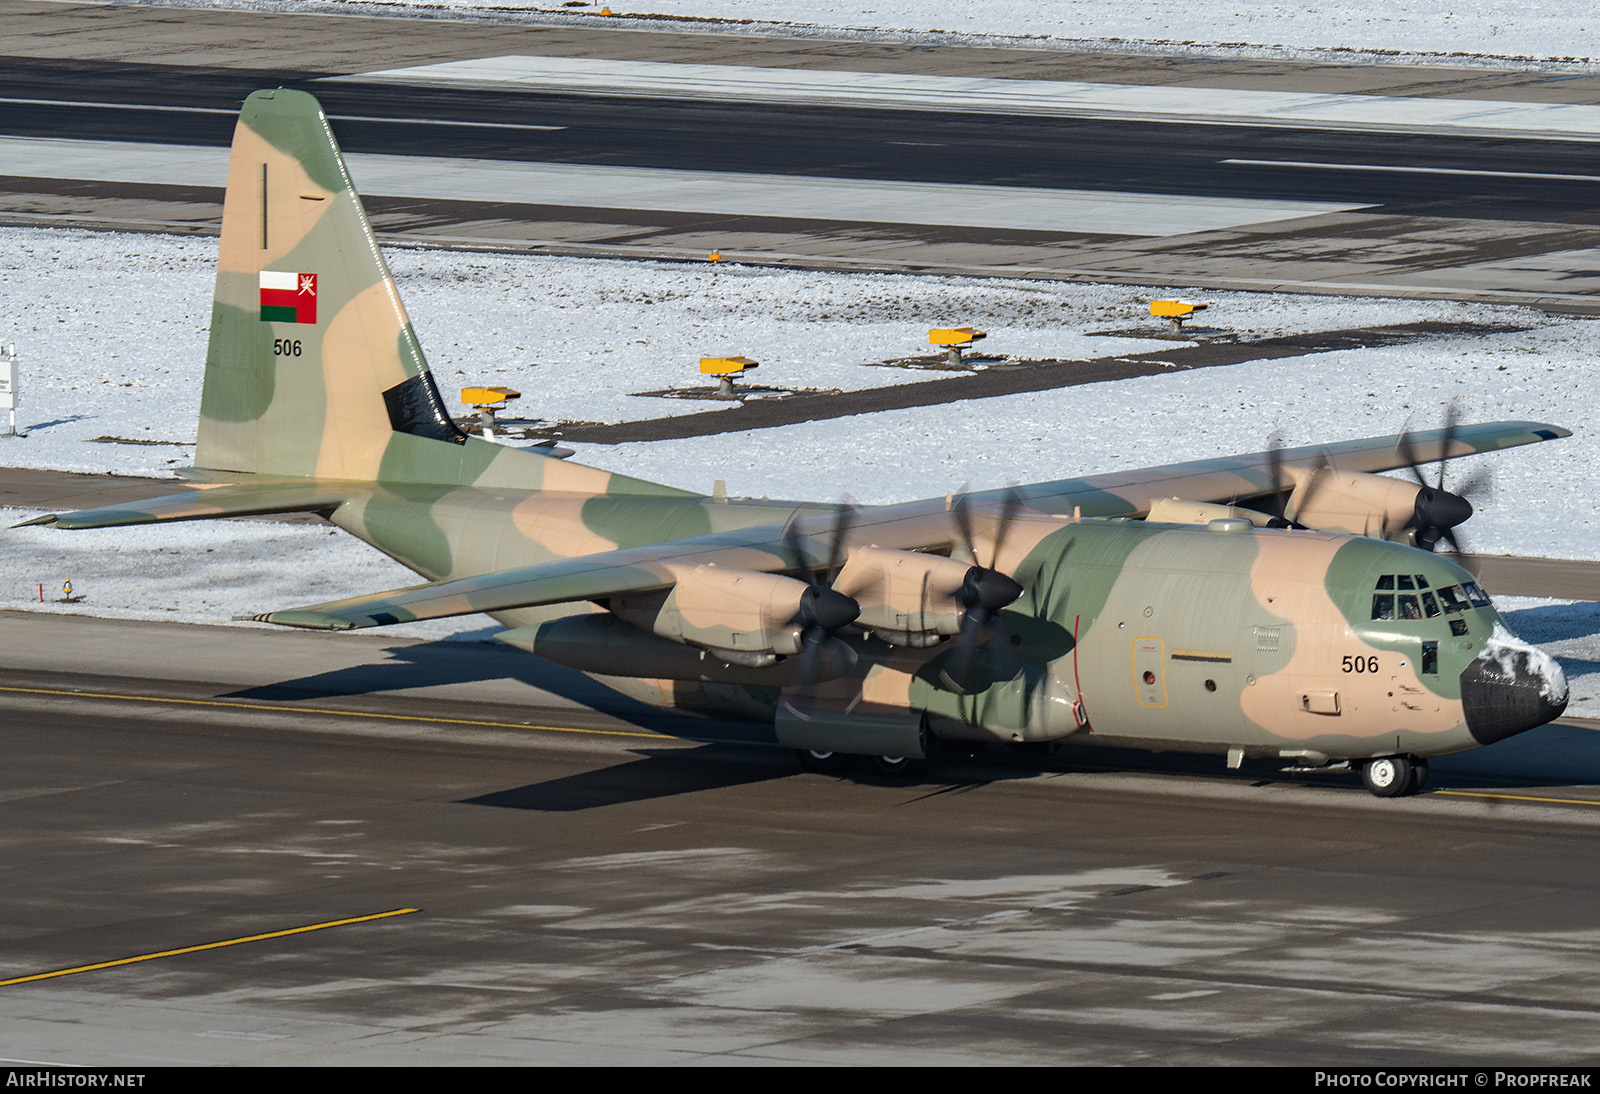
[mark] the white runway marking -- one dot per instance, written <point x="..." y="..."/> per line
<point x="1039" y="98"/>
<point x="1081" y="212"/>
<point x="1403" y="170"/>
<point x="231" y="112"/>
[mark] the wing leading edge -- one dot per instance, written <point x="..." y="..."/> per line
<point x="1131" y="493"/>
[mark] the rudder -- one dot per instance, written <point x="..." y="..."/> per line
<point x="312" y="366"/>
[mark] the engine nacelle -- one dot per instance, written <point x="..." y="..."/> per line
<point x="1355" y="503"/>
<point x="907" y="598"/>
<point x="737" y="611"/>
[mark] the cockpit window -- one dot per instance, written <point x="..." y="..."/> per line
<point x="1446" y="600"/>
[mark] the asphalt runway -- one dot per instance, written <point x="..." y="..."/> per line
<point x="574" y="888"/>
<point x="1501" y="218"/>
<point x="1521" y="180"/>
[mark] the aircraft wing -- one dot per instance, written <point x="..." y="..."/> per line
<point x="1130" y="493"/>
<point x="587" y="577"/>
<point x="771" y="548"/>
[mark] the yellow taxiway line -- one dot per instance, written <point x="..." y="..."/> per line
<point x="208" y="946"/>
<point x="284" y="709"/>
<point x="1513" y="797"/>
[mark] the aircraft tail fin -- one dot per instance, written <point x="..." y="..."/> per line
<point x="313" y="370"/>
<point x="306" y="324"/>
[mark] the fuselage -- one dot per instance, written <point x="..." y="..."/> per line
<point x="1296" y="644"/>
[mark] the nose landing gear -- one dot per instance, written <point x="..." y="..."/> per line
<point x="1395" y="776"/>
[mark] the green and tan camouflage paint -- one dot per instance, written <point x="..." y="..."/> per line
<point x="1242" y="631"/>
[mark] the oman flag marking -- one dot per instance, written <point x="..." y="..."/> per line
<point x="288" y="297"/>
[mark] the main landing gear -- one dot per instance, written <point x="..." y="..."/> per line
<point x="1395" y="776"/>
<point x="825" y="763"/>
<point x="835" y="763"/>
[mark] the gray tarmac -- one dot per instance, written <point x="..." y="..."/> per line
<point x="590" y="888"/>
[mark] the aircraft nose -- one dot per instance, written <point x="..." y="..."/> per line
<point x="1511" y="687"/>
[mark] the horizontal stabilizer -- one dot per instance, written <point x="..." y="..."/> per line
<point x="240" y="499"/>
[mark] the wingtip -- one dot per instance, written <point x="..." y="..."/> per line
<point x="315" y="621"/>
<point x="48" y="518"/>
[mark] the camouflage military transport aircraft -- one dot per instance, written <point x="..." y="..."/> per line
<point x="1148" y="609"/>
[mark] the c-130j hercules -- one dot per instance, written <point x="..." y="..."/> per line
<point x="1148" y="609"/>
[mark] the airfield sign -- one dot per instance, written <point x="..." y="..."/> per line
<point x="8" y="388"/>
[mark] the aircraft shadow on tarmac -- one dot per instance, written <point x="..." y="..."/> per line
<point x="652" y="774"/>
<point x="666" y="773"/>
<point x="465" y="661"/>
<point x="1552" y="755"/>
<point x="1555" y="622"/>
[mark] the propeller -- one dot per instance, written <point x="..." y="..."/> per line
<point x="1284" y="486"/>
<point x="1280" y="492"/>
<point x="984" y="592"/>
<point x="824" y="611"/>
<point x="1439" y="511"/>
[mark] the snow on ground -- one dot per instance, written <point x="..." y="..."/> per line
<point x="111" y="334"/>
<point x="1443" y="31"/>
<point x="204" y="572"/>
<point x="1542" y="504"/>
<point x="576" y="336"/>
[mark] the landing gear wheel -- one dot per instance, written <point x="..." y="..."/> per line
<point x="898" y="767"/>
<point x="1419" y="775"/>
<point x="1391" y="776"/>
<point x="826" y="763"/>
